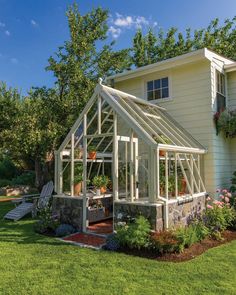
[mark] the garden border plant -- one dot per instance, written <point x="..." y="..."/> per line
<point x="135" y="234"/>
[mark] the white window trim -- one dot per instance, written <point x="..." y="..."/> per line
<point x="226" y="86"/>
<point x="160" y="100"/>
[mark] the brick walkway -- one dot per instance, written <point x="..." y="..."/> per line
<point x="104" y="227"/>
<point x="86" y="239"/>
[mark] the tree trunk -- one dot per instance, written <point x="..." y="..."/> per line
<point x="39" y="179"/>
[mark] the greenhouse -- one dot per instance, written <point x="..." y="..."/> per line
<point x="125" y="156"/>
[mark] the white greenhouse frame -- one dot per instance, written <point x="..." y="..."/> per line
<point x="146" y="121"/>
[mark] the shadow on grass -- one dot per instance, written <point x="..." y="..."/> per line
<point x="21" y="231"/>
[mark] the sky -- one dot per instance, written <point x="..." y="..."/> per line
<point x="32" y="30"/>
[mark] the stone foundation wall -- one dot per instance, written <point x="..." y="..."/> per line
<point x="180" y="212"/>
<point x="69" y="210"/>
<point x="125" y="211"/>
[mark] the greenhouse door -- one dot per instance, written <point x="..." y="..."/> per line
<point x="127" y="168"/>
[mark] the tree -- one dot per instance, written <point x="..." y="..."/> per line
<point x="219" y="38"/>
<point x="38" y="122"/>
<point x="35" y="131"/>
<point x="83" y="59"/>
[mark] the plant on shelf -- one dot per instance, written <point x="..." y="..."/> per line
<point x="78" y="178"/>
<point x="100" y="182"/>
<point x="92" y="152"/>
<point x="225" y="122"/>
<point x="78" y="153"/>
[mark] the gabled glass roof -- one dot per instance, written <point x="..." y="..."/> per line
<point x="151" y="119"/>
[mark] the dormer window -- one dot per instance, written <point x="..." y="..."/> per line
<point x="220" y="92"/>
<point x="157" y="89"/>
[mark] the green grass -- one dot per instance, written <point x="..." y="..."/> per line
<point x="34" y="264"/>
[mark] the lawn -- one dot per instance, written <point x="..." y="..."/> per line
<point x="34" y="264"/>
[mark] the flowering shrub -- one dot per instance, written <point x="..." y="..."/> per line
<point x="219" y="213"/>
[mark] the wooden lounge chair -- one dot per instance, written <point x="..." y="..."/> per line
<point x="39" y="201"/>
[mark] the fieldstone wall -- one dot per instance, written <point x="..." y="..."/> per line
<point x="69" y="210"/>
<point x="126" y="211"/>
<point x="180" y="213"/>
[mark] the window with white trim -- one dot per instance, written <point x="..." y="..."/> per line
<point x="157" y="89"/>
<point x="220" y="92"/>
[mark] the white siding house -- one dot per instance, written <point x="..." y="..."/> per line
<point x="190" y="96"/>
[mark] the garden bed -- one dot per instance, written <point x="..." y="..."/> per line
<point x="188" y="253"/>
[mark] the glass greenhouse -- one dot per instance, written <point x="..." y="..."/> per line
<point x="125" y="150"/>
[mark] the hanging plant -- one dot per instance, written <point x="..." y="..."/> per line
<point x="226" y="123"/>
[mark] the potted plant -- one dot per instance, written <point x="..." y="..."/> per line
<point x="78" y="153"/>
<point x="227" y="123"/>
<point x="92" y="152"/>
<point x="100" y="182"/>
<point x="78" y="178"/>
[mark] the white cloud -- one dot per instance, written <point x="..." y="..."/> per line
<point x="2" y="25"/>
<point x="123" y="21"/>
<point x="14" y="60"/>
<point x="34" y="23"/>
<point x="119" y="23"/>
<point x="115" y="32"/>
<point x="7" y="33"/>
<point x="128" y="21"/>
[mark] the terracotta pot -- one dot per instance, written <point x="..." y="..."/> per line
<point x="162" y="153"/>
<point x="103" y="189"/>
<point x="92" y="155"/>
<point x="77" y="188"/>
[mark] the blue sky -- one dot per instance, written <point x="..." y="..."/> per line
<point x="32" y="30"/>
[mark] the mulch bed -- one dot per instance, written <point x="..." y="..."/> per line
<point x="189" y="253"/>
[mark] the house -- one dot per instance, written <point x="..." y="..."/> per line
<point x="192" y="88"/>
<point x="152" y="133"/>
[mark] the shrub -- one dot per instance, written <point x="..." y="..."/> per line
<point x="219" y="215"/>
<point x="189" y="235"/>
<point x="166" y="242"/>
<point x="135" y="235"/>
<point x="47" y="222"/>
<point x="4" y="182"/>
<point x="7" y="169"/>
<point x="26" y="178"/>
<point x="112" y="242"/>
<point x="64" y="230"/>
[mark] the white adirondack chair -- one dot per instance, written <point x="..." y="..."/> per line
<point x="39" y="202"/>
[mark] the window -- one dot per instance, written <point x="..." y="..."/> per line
<point x="157" y="89"/>
<point x="220" y="92"/>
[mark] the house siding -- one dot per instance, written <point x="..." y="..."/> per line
<point x="189" y="104"/>
<point x="231" y="87"/>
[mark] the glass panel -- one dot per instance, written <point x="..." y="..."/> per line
<point x="157" y="84"/>
<point x="157" y="94"/>
<point x="165" y="92"/>
<point x="164" y="82"/>
<point x="150" y="95"/>
<point x="150" y="85"/>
